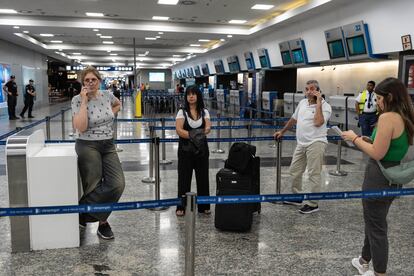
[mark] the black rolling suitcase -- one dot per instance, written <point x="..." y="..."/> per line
<point x="242" y="159"/>
<point x="233" y="217"/>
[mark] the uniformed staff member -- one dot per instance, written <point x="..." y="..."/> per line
<point x="366" y="108"/>
<point x="30" y="93"/>
<point x="11" y="90"/>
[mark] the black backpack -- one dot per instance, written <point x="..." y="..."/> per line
<point x="240" y="158"/>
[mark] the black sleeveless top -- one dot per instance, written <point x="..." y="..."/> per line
<point x="183" y="144"/>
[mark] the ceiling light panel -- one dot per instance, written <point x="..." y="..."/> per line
<point x="107" y="42"/>
<point x="204" y="40"/>
<point x="106" y="36"/>
<point x="195" y="45"/>
<point x="150" y="38"/>
<point x="237" y="21"/>
<point x="47" y="35"/>
<point x="163" y="18"/>
<point x="262" y="7"/>
<point x="9" y="11"/>
<point x="94" y="14"/>
<point x="56" y="41"/>
<point x="168" y="2"/>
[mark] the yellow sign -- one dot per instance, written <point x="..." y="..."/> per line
<point x="138" y="112"/>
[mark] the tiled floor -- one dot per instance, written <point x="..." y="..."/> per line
<point x="281" y="242"/>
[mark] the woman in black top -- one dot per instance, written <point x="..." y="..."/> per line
<point x="192" y="126"/>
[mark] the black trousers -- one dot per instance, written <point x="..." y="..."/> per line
<point x="28" y="104"/>
<point x="11" y="106"/>
<point x="187" y="162"/>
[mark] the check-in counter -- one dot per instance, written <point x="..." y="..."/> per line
<point x="352" y="122"/>
<point x="267" y="100"/>
<point x="236" y="97"/>
<point x="297" y="97"/>
<point x="288" y="104"/>
<point x="338" y="105"/>
<point x="222" y="99"/>
<point x="39" y="175"/>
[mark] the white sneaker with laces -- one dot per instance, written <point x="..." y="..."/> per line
<point x="362" y="268"/>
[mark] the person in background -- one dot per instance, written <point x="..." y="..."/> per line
<point x="116" y="91"/>
<point x="147" y="86"/>
<point x="30" y="93"/>
<point x="366" y="108"/>
<point x="193" y="118"/>
<point x="101" y="173"/>
<point x="310" y="116"/>
<point x="72" y="91"/>
<point x="177" y="88"/>
<point x="11" y="90"/>
<point x="390" y="141"/>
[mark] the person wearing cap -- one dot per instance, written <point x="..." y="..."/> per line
<point x="30" y="93"/>
<point x="11" y="90"/>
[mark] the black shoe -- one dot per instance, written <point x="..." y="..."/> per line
<point x="12" y="118"/>
<point x="308" y="209"/>
<point x="16" y="117"/>
<point x="30" y="116"/>
<point x="22" y="116"/>
<point x="105" y="232"/>
<point x="293" y="202"/>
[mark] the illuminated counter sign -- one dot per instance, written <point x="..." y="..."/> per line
<point x="219" y="66"/>
<point x="248" y="56"/>
<point x="263" y="58"/>
<point x="336" y="44"/>
<point x="234" y="65"/>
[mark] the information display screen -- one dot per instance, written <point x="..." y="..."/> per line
<point x="356" y="45"/>
<point x="298" y="56"/>
<point x="286" y="57"/>
<point x="263" y="62"/>
<point x="249" y="64"/>
<point x="156" y="76"/>
<point x="336" y="49"/>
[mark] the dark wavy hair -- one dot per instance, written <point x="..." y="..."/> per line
<point x="396" y="99"/>
<point x="193" y="89"/>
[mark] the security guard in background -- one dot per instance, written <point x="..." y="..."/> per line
<point x="11" y="91"/>
<point x="30" y="93"/>
<point x="366" y="107"/>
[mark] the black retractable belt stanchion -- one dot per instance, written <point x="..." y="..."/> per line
<point x="190" y="217"/>
<point x="47" y="118"/>
<point x="156" y="142"/>
<point x="249" y="131"/>
<point x="164" y="161"/>
<point x="150" y="178"/>
<point x="278" y="167"/>
<point x="218" y="149"/>
<point x="338" y="171"/>
<point x="230" y="132"/>
<point x="62" y="112"/>
<point x="115" y="135"/>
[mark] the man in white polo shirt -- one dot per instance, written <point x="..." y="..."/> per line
<point x="311" y="116"/>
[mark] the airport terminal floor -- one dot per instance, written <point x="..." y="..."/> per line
<point x="282" y="241"/>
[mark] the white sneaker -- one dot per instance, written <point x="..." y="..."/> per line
<point x="362" y="268"/>
<point x="368" y="273"/>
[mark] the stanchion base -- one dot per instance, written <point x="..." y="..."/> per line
<point x="273" y="146"/>
<point x="71" y="134"/>
<point x="119" y="149"/>
<point x="162" y="208"/>
<point x="218" y="151"/>
<point x="148" y="179"/>
<point x="338" y="173"/>
<point x="165" y="162"/>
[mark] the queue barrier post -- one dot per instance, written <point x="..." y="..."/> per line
<point x="338" y="171"/>
<point x="164" y="161"/>
<point x="190" y="217"/>
<point x="150" y="179"/>
<point x="156" y="142"/>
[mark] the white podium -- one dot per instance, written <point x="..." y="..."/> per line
<point x="52" y="180"/>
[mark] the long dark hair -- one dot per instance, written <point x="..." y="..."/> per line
<point x="193" y="89"/>
<point x="396" y="99"/>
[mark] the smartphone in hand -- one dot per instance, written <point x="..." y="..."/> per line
<point x="338" y="131"/>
